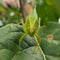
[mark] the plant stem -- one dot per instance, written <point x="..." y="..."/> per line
<point x="40" y="48"/>
<point x="22" y="4"/>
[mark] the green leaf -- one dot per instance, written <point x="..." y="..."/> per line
<point x="47" y="12"/>
<point x="6" y="54"/>
<point x="9" y="38"/>
<point x="57" y="5"/>
<point x="52" y="58"/>
<point x="50" y="35"/>
<point x="27" y="54"/>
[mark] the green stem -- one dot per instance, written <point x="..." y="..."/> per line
<point x="39" y="46"/>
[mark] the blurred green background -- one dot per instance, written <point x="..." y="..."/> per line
<point x="47" y="10"/>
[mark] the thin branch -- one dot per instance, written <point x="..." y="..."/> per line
<point x="22" y="4"/>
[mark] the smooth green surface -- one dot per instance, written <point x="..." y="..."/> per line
<point x="10" y="34"/>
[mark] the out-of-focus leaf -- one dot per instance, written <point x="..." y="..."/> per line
<point x="47" y="12"/>
<point x="57" y="5"/>
<point x="10" y="34"/>
<point x="50" y="35"/>
<point x="11" y="15"/>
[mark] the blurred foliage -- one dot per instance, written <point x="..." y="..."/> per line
<point x="11" y="15"/>
<point x="50" y="45"/>
<point x="0" y="1"/>
<point x="49" y="13"/>
<point x="47" y="10"/>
